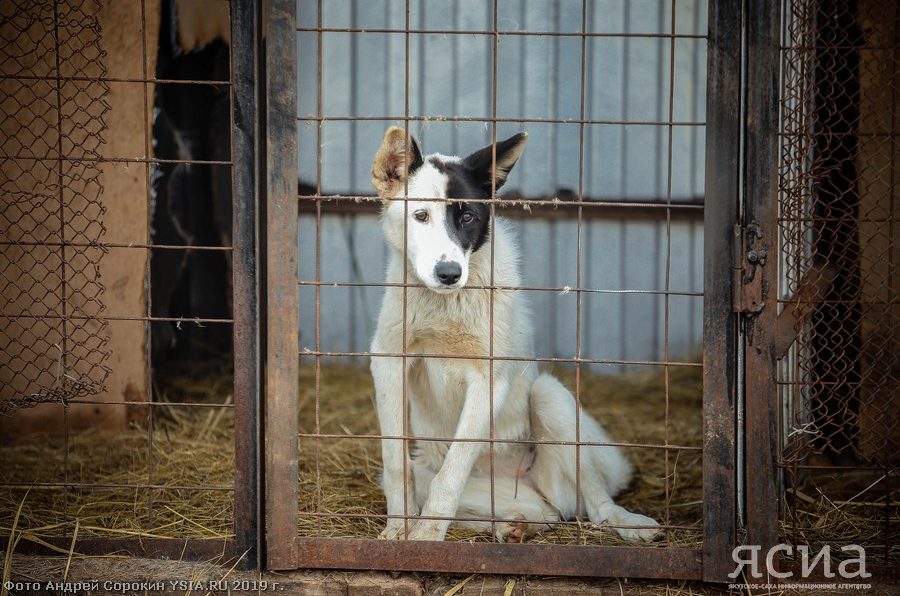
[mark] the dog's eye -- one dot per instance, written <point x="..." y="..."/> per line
<point x="468" y="217"/>
<point x="421" y="216"/>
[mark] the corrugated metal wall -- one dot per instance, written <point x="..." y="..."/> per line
<point x="626" y="153"/>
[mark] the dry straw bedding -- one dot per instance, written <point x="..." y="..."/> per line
<point x="192" y="446"/>
<point x="632" y="407"/>
<point x="339" y="495"/>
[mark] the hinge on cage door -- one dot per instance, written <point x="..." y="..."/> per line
<point x="749" y="257"/>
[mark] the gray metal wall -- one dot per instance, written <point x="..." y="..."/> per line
<point x="627" y="80"/>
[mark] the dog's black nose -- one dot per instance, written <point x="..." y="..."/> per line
<point x="448" y="272"/>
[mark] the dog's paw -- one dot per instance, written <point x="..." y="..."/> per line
<point x="646" y="534"/>
<point x="394" y="530"/>
<point x="512" y="532"/>
<point x="427" y="529"/>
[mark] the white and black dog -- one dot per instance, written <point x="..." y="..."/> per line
<point x="448" y="247"/>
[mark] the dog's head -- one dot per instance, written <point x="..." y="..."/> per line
<point x="441" y="235"/>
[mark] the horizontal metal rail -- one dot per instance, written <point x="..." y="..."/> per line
<point x="498" y="119"/>
<point x="554" y="360"/>
<point x="105" y="245"/>
<point x="498" y="519"/>
<point x="496" y="441"/>
<point x="513" y="559"/>
<point x="560" y="290"/>
<point x="501" y="33"/>
<point x="511" y="202"/>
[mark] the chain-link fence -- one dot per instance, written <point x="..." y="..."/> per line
<point x="53" y="107"/>
<point x="839" y="322"/>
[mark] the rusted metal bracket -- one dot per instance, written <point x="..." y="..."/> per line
<point x="750" y="253"/>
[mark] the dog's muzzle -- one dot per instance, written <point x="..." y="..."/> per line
<point x="448" y="272"/>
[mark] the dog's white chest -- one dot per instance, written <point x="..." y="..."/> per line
<point x="437" y="395"/>
<point x="454" y="339"/>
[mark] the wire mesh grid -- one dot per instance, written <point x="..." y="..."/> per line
<point x="79" y="144"/>
<point x="52" y="329"/>
<point x="838" y="323"/>
<point x="339" y="442"/>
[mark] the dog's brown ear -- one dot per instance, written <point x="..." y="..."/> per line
<point x="508" y="153"/>
<point x="397" y="158"/>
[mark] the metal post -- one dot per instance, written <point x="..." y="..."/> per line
<point x="281" y="296"/>
<point x="245" y="39"/>
<point x="723" y="129"/>
<point x="761" y="190"/>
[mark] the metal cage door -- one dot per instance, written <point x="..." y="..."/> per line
<point x="284" y="549"/>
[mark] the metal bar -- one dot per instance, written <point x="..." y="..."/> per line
<point x="404" y="383"/>
<point x="148" y="262"/>
<point x="498" y="119"/>
<point x="563" y="290"/>
<point x="522" y="209"/>
<point x="492" y="32"/>
<point x="281" y="310"/>
<point x="760" y="206"/>
<point x="62" y="249"/>
<point x="499" y="519"/>
<point x="155" y="404"/>
<point x="719" y="325"/>
<point x="245" y="42"/>
<point x="307" y="352"/>
<point x="844" y="218"/>
<point x="196" y="320"/>
<point x="150" y="80"/>
<point x="837" y="134"/>
<point x="107" y="245"/>
<point x="514" y="559"/>
<point x="103" y="485"/>
<point x="89" y="159"/>
<point x="501" y="441"/>
<point x="318" y="260"/>
<point x="509" y="201"/>
<point x="813" y="48"/>
<point x="668" y="269"/>
<point x="579" y="215"/>
<point x="495" y="39"/>
<point x="796" y="464"/>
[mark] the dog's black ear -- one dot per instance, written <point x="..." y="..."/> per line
<point x="508" y="153"/>
<point x="397" y="158"/>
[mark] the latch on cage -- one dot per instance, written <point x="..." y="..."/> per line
<point x="749" y="256"/>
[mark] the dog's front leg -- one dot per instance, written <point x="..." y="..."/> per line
<point x="448" y="484"/>
<point x="388" y="376"/>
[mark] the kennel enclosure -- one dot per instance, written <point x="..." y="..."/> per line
<point x="483" y="40"/>
<point x="92" y="444"/>
<point x="785" y="172"/>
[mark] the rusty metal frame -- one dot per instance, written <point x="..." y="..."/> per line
<point x="247" y="292"/>
<point x="758" y="324"/>
<point x="281" y="310"/>
<point x="286" y="550"/>
<point x="720" y="336"/>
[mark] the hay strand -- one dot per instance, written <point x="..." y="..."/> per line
<point x="7" y="559"/>
<point x="459" y="586"/>
<point x="71" y="552"/>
